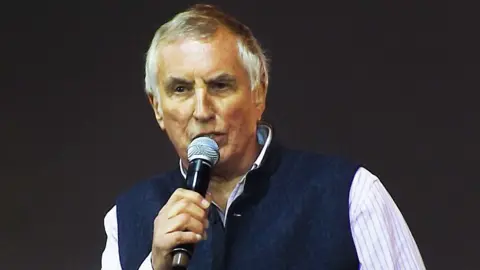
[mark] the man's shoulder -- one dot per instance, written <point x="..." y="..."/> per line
<point x="314" y="167"/>
<point x="153" y="188"/>
<point x="318" y="161"/>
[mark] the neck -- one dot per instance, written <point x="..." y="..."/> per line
<point x="223" y="182"/>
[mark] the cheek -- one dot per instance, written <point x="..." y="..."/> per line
<point x="175" y="113"/>
<point x="241" y="120"/>
<point x="175" y="128"/>
<point x="175" y="122"/>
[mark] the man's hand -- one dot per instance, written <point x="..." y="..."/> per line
<point x="183" y="219"/>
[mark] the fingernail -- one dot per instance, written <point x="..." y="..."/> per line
<point x="205" y="203"/>
<point x="199" y="237"/>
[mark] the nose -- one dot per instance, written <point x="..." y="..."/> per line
<point x="203" y="108"/>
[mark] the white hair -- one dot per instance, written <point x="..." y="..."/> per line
<point x="201" y="22"/>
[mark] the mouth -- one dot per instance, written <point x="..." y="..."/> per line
<point x="216" y="136"/>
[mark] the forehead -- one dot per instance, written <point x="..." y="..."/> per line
<point x="193" y="57"/>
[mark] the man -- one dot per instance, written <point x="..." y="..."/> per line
<point x="267" y="207"/>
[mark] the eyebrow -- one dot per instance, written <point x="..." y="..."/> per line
<point x="171" y="82"/>
<point x="224" y="77"/>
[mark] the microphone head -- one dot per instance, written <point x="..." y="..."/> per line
<point x="203" y="148"/>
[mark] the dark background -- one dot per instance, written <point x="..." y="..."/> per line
<point x="392" y="85"/>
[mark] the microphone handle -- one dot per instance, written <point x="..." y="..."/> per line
<point x="198" y="179"/>
<point x="198" y="176"/>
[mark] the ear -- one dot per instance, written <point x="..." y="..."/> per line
<point x="259" y="98"/>
<point x="157" y="109"/>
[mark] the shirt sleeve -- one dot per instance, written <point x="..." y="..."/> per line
<point x="380" y="233"/>
<point x="110" y="255"/>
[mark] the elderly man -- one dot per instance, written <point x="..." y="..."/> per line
<point x="267" y="207"/>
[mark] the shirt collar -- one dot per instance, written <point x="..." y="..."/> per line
<point x="264" y="138"/>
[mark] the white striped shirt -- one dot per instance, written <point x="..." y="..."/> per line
<point x="381" y="236"/>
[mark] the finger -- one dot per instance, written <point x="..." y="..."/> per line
<point x="193" y="196"/>
<point x="187" y="207"/>
<point x="185" y="222"/>
<point x="209" y="197"/>
<point x="206" y="224"/>
<point x="176" y="238"/>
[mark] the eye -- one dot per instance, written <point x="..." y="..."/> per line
<point x="180" y="89"/>
<point x="218" y="85"/>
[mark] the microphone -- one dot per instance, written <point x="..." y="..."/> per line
<point x="203" y="154"/>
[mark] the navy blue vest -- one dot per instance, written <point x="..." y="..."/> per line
<point x="293" y="214"/>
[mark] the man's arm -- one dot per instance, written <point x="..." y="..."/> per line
<point x="381" y="235"/>
<point x="110" y="256"/>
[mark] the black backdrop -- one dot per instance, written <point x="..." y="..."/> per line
<point x="392" y="85"/>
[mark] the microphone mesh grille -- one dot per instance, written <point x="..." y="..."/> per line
<point x="204" y="148"/>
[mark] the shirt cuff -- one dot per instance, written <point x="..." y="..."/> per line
<point x="147" y="263"/>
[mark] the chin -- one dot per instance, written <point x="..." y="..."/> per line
<point x="223" y="155"/>
<point x="226" y="153"/>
